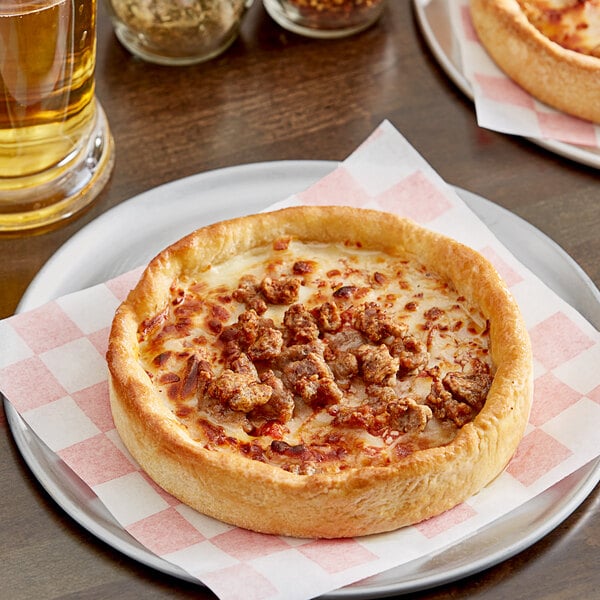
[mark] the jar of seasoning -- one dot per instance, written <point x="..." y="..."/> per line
<point x="324" y="18"/>
<point x="177" y="32"/>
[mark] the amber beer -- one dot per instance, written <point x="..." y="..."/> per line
<point x="51" y="146"/>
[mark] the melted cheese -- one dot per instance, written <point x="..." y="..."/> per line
<point x="200" y="306"/>
<point x="574" y="24"/>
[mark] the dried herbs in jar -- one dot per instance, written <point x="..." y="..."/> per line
<point x="177" y="31"/>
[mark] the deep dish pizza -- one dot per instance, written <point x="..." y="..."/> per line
<point x="549" y="47"/>
<point x="320" y="372"/>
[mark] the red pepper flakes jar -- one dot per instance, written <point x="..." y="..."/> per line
<point x="325" y="18"/>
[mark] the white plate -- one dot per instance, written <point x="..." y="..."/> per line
<point x="434" y="20"/>
<point x="132" y="232"/>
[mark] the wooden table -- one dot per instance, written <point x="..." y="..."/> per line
<point x="275" y="96"/>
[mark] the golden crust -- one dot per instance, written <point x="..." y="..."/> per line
<point x="357" y="501"/>
<point x="562" y="78"/>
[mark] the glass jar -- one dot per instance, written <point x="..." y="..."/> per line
<point x="324" y="18"/>
<point x="177" y="32"/>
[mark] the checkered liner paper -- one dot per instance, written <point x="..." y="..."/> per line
<point x="501" y="104"/>
<point x="52" y="370"/>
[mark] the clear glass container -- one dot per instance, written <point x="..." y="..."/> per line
<point x="325" y="18"/>
<point x="177" y="32"/>
<point x="56" y="148"/>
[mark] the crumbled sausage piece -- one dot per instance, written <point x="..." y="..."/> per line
<point x="328" y="317"/>
<point x="280" y="291"/>
<point x="384" y="411"/>
<point x="243" y="364"/>
<point x="403" y="414"/>
<point x="267" y="345"/>
<point x="231" y="351"/>
<point x="321" y="392"/>
<point x="412" y="354"/>
<point x="298" y="352"/>
<point x="359" y="417"/>
<point x="377" y="365"/>
<point x="375" y="323"/>
<point x="247" y="285"/>
<point x="340" y="353"/>
<point x="345" y="340"/>
<point x="248" y="293"/>
<point x="445" y="407"/>
<point x="471" y="388"/>
<point x="381" y="395"/>
<point x="300" y="325"/>
<point x="344" y="366"/>
<point x="244" y="331"/>
<point x="311" y="365"/>
<point x="407" y="415"/>
<point x="251" y="331"/>
<point x="240" y="391"/>
<point x="312" y="380"/>
<point x="280" y="406"/>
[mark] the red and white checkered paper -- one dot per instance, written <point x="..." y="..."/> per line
<point x="52" y="370"/>
<point x="501" y="104"/>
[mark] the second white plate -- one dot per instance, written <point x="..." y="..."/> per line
<point x="434" y="20"/>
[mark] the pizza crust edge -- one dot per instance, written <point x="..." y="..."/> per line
<point x="267" y="499"/>
<point x="562" y="78"/>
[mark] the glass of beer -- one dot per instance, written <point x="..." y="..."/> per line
<point x="56" y="149"/>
